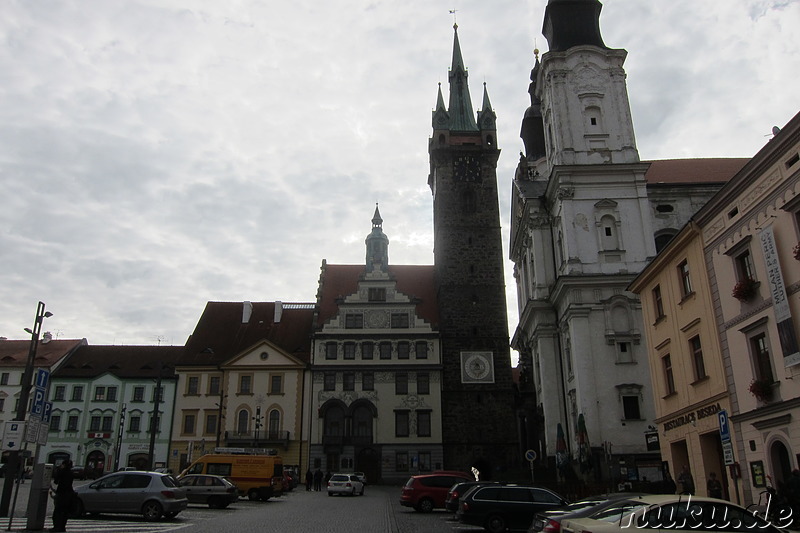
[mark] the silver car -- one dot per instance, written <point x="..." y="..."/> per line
<point x="151" y="494"/>
<point x="215" y="491"/>
<point x="347" y="484"/>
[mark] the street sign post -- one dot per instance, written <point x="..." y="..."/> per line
<point x="12" y="435"/>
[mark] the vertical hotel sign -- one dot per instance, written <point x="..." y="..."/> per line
<point x="783" y="315"/>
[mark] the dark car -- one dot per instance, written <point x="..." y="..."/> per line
<point x="497" y="508"/>
<point x="550" y="521"/>
<point x="457" y="491"/>
<point x="81" y="472"/>
<point x="214" y="491"/>
<point x="429" y="491"/>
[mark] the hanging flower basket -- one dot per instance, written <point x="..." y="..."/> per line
<point x="797" y="251"/>
<point x="745" y="289"/>
<point x="761" y="389"/>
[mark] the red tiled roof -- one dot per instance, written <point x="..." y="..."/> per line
<point x="130" y="362"/>
<point x="678" y="171"/>
<point x="417" y="281"/>
<point x="15" y="353"/>
<point x="220" y="333"/>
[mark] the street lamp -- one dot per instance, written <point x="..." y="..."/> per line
<point x="13" y="464"/>
<point x="257" y="425"/>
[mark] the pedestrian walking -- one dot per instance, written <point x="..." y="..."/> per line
<point x="318" y="480"/>
<point x="713" y="486"/>
<point x="686" y="480"/>
<point x="309" y="479"/>
<point x="64" y="495"/>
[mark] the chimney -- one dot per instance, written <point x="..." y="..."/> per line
<point x="46" y="337"/>
<point x="278" y="312"/>
<point x="247" y="312"/>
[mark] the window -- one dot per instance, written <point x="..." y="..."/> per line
<point x="154" y="422"/>
<point x="349" y="350"/>
<point x="72" y="423"/>
<point x="2" y="404"/>
<point x="138" y="394"/>
<point x="274" y="422"/>
<point x="188" y="424"/>
<point x="761" y="360"/>
<point x="658" y="302"/>
<point x="686" y="282"/>
<point x="401" y="461"/>
<point x="401" y="423"/>
<point x="193" y="386"/>
<point x="399" y="320"/>
<point x="401" y="383"/>
<point x="330" y="350"/>
<point x="99" y="394"/>
<point x="385" y="350"/>
<point x="135" y="424"/>
<point x="276" y="384"/>
<point x="348" y="381"/>
<point x="425" y="462"/>
<point x="242" y="422"/>
<point x="669" y="378"/>
<point x="158" y="393"/>
<point x="111" y="394"/>
<point x="77" y="393"/>
<point x="60" y="393"/>
<point x="354" y="320"/>
<point x="423" y="383"/>
<point x="624" y="352"/>
<point x="4" y="378"/>
<point x="421" y="350"/>
<point x="376" y="294"/>
<point x="108" y="423"/>
<point x="94" y="423"/>
<point x="330" y="381"/>
<point x="744" y="266"/>
<point x="630" y="408"/>
<point x="213" y="385"/>
<point x="697" y="357"/>
<point x="245" y="384"/>
<point x="423" y="423"/>
<point x="367" y="381"/>
<point x="367" y="350"/>
<point x="211" y="424"/>
<point x="55" y="422"/>
<point x="403" y="350"/>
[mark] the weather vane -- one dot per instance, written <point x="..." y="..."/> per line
<point x="453" y="12"/>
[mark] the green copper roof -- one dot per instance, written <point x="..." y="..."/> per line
<point x="486" y="117"/>
<point x="460" y="108"/>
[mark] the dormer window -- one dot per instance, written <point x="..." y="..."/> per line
<point x="377" y="294"/>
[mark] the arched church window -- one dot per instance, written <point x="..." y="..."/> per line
<point x="608" y="234"/>
<point x="243" y="422"/>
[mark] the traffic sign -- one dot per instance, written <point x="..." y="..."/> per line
<point x="48" y="410"/>
<point x="530" y="455"/>
<point x="37" y="407"/>
<point x="32" y="431"/>
<point x="727" y="452"/>
<point x="42" y="377"/>
<point x="724" y="426"/>
<point x="12" y="435"/>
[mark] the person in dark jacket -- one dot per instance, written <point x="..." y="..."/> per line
<point x="318" y="480"/>
<point x="64" y="496"/>
<point x="309" y="479"/>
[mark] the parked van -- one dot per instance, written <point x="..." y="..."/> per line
<point x="257" y="476"/>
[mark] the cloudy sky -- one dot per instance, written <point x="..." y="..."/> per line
<point x="158" y="154"/>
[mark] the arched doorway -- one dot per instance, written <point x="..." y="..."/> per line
<point x="96" y="463"/>
<point x="138" y="460"/>
<point x="780" y="463"/>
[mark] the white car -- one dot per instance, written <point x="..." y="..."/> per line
<point x="361" y="476"/>
<point x="348" y="484"/>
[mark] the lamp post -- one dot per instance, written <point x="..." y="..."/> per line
<point x="13" y="464"/>
<point x="154" y="419"/>
<point x="257" y="425"/>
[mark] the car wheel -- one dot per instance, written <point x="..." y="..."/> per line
<point x="78" y="510"/>
<point x="362" y="490"/>
<point x="496" y="524"/>
<point x="330" y="494"/>
<point x="253" y="495"/>
<point x="215" y="502"/>
<point x="152" y="511"/>
<point x="425" y="505"/>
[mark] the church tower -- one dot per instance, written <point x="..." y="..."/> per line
<point x="478" y="428"/>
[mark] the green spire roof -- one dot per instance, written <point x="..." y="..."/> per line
<point x="460" y="108"/>
<point x="486" y="117"/>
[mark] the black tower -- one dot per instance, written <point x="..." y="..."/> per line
<point x="478" y="423"/>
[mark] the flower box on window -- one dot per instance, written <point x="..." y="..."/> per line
<point x="761" y="389"/>
<point x="745" y="289"/>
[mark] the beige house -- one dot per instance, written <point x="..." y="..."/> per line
<point x="241" y="381"/>
<point x="751" y="231"/>
<point x="686" y="364"/>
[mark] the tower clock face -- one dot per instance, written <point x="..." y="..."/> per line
<point x="466" y="168"/>
<point x="477" y="367"/>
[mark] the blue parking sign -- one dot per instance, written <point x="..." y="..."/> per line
<point x="37" y="407"/>
<point x="724" y="426"/>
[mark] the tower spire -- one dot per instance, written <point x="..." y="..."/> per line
<point x="460" y="107"/>
<point x="377" y="244"/>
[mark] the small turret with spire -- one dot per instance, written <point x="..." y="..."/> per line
<point x="377" y="245"/>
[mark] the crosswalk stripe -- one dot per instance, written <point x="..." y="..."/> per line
<point x="102" y="526"/>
